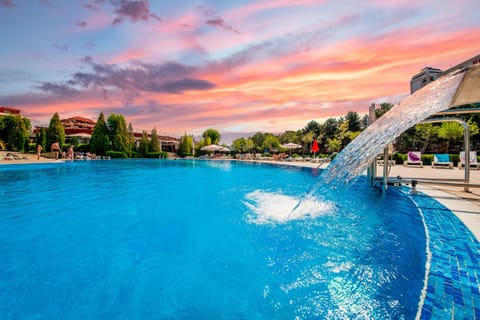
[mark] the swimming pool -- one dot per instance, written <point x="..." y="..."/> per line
<point x="149" y="239"/>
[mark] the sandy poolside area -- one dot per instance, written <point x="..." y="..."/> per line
<point x="30" y="158"/>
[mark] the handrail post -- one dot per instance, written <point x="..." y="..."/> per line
<point x="467" y="155"/>
<point x="466" y="132"/>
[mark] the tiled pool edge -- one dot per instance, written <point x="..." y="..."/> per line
<point x="453" y="281"/>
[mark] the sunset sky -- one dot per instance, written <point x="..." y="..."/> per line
<point x="236" y="66"/>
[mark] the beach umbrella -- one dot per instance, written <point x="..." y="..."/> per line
<point x="315" y="147"/>
<point x="291" y="146"/>
<point x="215" y="147"/>
<point x="212" y="147"/>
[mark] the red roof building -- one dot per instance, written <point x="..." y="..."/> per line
<point x="7" y="111"/>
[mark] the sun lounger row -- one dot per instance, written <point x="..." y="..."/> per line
<point x="414" y="159"/>
<point x="12" y="156"/>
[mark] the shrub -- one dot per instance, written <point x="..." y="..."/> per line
<point x="399" y="157"/>
<point x="427" y="159"/>
<point x="455" y="158"/>
<point x="83" y="148"/>
<point x="116" y="154"/>
<point x="159" y="155"/>
<point x="32" y="148"/>
<point x="135" y="155"/>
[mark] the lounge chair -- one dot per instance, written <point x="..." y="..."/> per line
<point x="473" y="160"/>
<point x="414" y="159"/>
<point x="442" y="161"/>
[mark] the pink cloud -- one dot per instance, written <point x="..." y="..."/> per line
<point x="270" y="85"/>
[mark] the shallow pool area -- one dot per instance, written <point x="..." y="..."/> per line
<point x="150" y="239"/>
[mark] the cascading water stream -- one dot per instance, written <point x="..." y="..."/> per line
<point x="358" y="154"/>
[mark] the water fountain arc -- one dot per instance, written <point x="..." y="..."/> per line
<point x="454" y="89"/>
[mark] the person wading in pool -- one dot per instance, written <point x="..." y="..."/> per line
<point x="55" y="149"/>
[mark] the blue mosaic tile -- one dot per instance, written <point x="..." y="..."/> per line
<point x="453" y="291"/>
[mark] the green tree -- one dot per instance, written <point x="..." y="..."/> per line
<point x="213" y="134"/>
<point x="473" y="127"/>
<point x="313" y="126"/>
<point x="118" y="132"/>
<point x="239" y="144"/>
<point x="384" y="108"/>
<point x="14" y="130"/>
<point x="450" y="131"/>
<point x="55" y="131"/>
<point x="271" y="142"/>
<point x="307" y="140"/>
<point x="74" y="142"/>
<point x="258" y="139"/>
<point x="291" y="136"/>
<point x="330" y="128"/>
<point x="144" y="143"/>
<point x="131" y="139"/>
<point x="249" y="145"/>
<point x="43" y="138"/>
<point x="426" y="131"/>
<point x="334" y="144"/>
<point x="98" y="143"/>
<point x="354" y="122"/>
<point x="186" y="145"/>
<point x="154" y="141"/>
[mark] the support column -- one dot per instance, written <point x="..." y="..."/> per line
<point x="385" y="170"/>
<point x="372" y="168"/>
<point x="467" y="155"/>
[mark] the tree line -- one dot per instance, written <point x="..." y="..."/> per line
<point x="335" y="133"/>
<point x="110" y="136"/>
<point x="113" y="136"/>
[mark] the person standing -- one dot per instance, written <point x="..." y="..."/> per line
<point x="70" y="152"/>
<point x="39" y="151"/>
<point x="55" y="149"/>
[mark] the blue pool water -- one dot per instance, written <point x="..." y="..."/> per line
<point x="149" y="239"/>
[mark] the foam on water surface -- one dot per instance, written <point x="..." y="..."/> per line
<point x="271" y="207"/>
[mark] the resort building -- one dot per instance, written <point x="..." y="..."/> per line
<point x="167" y="143"/>
<point x="429" y="74"/>
<point x="78" y="127"/>
<point x="5" y="111"/>
<point x="424" y="77"/>
<point x="82" y="128"/>
<point x="465" y="64"/>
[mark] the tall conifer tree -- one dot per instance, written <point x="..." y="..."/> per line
<point x="55" y="131"/>
<point x="99" y="142"/>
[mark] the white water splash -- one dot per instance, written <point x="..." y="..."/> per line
<point x="269" y="207"/>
